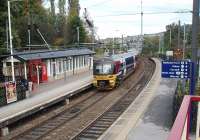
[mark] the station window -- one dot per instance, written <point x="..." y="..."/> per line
<point x="85" y="60"/>
<point x="64" y="65"/>
<point x="76" y="62"/>
<point x="68" y="65"/>
<point x="81" y="61"/>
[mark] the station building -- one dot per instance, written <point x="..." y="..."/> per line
<point x="48" y="65"/>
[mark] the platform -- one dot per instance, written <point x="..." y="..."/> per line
<point x="45" y="95"/>
<point x="128" y="121"/>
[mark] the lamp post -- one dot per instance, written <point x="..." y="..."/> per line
<point x="11" y="46"/>
<point x="10" y="39"/>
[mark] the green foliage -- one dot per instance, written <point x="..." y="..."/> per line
<point x="151" y="45"/>
<point x="3" y="16"/>
<point x="74" y="21"/>
<point x="174" y="38"/>
<point x="71" y="30"/>
<point x="53" y="26"/>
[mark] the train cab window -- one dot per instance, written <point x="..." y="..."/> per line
<point x="103" y="69"/>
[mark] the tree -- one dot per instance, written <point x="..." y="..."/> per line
<point x="174" y="37"/>
<point x="74" y="21"/>
<point x="61" y="5"/>
<point x="52" y="25"/>
<point x="3" y="19"/>
<point x="151" y="44"/>
<point x="52" y="3"/>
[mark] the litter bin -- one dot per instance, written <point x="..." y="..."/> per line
<point x="21" y="91"/>
<point x="25" y="84"/>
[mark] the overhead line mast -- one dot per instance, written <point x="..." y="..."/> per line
<point x="141" y="19"/>
<point x="142" y="38"/>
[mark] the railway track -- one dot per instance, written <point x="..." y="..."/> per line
<point x="106" y="119"/>
<point x="53" y="123"/>
<point x="103" y="121"/>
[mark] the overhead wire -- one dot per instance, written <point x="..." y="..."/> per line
<point x="98" y="4"/>
<point x="147" y="13"/>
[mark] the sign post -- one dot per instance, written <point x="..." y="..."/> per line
<point x="192" y="79"/>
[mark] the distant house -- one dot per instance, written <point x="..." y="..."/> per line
<point x="47" y="65"/>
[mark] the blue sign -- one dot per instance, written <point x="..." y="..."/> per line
<point x="175" y="69"/>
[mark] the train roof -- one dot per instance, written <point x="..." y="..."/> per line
<point x="104" y="60"/>
<point x="122" y="56"/>
<point x="116" y="57"/>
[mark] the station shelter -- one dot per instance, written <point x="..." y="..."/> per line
<point x="40" y="66"/>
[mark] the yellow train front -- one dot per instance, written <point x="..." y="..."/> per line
<point x="109" y="72"/>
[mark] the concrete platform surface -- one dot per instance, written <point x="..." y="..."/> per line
<point x="128" y="120"/>
<point x="156" y="122"/>
<point x="45" y="94"/>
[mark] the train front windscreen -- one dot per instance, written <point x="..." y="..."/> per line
<point x="103" y="69"/>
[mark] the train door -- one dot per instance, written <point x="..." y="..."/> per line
<point x="123" y="66"/>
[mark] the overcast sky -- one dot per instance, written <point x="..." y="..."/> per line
<point x="110" y="21"/>
<point x="101" y="12"/>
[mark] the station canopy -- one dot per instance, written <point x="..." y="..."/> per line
<point x="48" y="54"/>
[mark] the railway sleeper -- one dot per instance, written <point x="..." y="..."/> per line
<point x="36" y="133"/>
<point x="47" y="126"/>
<point x="98" y="128"/>
<point x="32" y="137"/>
<point x="98" y="132"/>
<point x="97" y="125"/>
<point x="104" y="122"/>
<point x="112" y="113"/>
<point x="107" y="119"/>
<point x="89" y="135"/>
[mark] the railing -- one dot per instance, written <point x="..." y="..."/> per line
<point x="180" y="129"/>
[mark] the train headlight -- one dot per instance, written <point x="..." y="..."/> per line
<point x="110" y="76"/>
<point x="94" y="82"/>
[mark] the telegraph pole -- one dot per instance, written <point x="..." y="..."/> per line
<point x="142" y="24"/>
<point x="184" y="42"/>
<point x="170" y="37"/>
<point x="141" y="19"/>
<point x="195" y="24"/>
<point x="159" y="44"/>
<point x="179" y="32"/>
